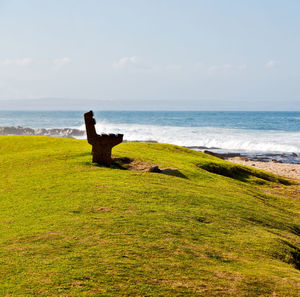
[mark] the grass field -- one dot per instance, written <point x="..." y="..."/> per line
<point x="208" y="228"/>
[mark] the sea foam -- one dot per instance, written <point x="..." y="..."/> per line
<point x="224" y="138"/>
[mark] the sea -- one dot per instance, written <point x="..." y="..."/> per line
<point x="249" y="133"/>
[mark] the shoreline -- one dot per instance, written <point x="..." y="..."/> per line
<point x="284" y="169"/>
<point x="285" y="164"/>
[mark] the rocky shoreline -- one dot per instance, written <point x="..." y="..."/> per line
<point x="59" y="132"/>
<point x="277" y="157"/>
<point x="284" y="164"/>
<point x="258" y="157"/>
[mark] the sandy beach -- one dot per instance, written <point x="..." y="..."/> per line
<point x="284" y="169"/>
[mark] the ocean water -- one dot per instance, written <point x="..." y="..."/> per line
<point x="235" y="131"/>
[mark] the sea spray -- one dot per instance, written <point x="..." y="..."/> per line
<point x="248" y="131"/>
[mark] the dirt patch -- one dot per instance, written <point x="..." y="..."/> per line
<point x="140" y="165"/>
<point x="137" y="165"/>
<point x="131" y="164"/>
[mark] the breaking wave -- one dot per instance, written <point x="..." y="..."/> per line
<point x="224" y="138"/>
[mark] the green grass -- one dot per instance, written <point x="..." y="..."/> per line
<point x="71" y="228"/>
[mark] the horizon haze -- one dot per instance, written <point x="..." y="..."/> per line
<point x="53" y="104"/>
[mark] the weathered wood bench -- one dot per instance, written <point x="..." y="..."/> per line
<point x="101" y="144"/>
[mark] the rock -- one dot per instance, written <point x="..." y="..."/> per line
<point x="240" y="159"/>
<point x="222" y="156"/>
<point x="155" y="169"/>
<point x="277" y="161"/>
<point x="63" y="132"/>
<point x="213" y="154"/>
<point x="16" y="131"/>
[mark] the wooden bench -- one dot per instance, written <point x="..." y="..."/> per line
<point x="101" y="144"/>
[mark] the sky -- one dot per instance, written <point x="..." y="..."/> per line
<point x="245" y="52"/>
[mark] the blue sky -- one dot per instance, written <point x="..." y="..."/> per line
<point x="242" y="51"/>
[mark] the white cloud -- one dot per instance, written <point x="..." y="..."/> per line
<point x="126" y="62"/>
<point x="224" y="69"/>
<point x="133" y="62"/>
<point x="272" y="64"/>
<point x="59" y="62"/>
<point x="23" y="62"/>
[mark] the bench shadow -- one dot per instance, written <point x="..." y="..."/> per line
<point x="122" y="163"/>
<point x="125" y="163"/>
<point x="173" y="172"/>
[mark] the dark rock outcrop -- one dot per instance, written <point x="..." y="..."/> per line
<point x="63" y="132"/>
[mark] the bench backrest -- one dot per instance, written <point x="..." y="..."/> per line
<point x="90" y="123"/>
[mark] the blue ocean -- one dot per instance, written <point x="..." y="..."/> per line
<point x="233" y="131"/>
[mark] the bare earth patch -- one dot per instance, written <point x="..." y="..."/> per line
<point x="140" y="165"/>
<point x="137" y="165"/>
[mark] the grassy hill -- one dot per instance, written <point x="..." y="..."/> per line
<point x="206" y="228"/>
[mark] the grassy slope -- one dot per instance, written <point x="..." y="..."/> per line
<point x="70" y="228"/>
